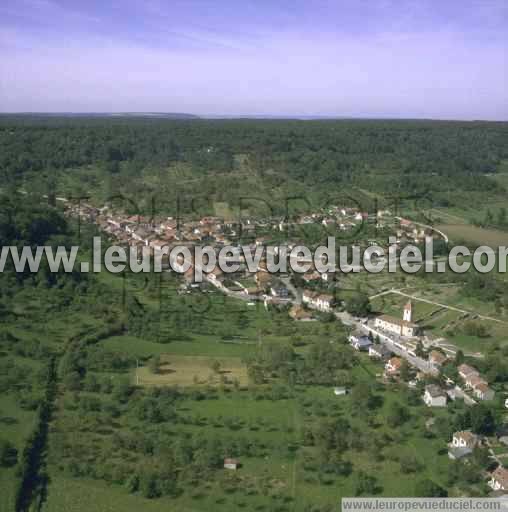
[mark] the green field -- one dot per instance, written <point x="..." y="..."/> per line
<point x="193" y="370"/>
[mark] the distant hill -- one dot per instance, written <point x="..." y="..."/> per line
<point x="159" y="115"/>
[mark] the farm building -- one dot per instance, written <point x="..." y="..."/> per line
<point x="231" y="464"/>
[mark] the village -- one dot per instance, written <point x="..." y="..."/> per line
<point x="406" y="354"/>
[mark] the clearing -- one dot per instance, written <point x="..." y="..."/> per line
<point x="194" y="370"/>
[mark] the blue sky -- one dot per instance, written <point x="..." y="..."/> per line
<point x="443" y="59"/>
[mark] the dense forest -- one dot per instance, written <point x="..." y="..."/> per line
<point x="445" y="162"/>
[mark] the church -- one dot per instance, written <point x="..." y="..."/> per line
<point x="404" y="327"/>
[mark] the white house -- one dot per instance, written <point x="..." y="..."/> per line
<point x="340" y="391"/>
<point x="323" y="301"/>
<point x="360" y="341"/>
<point x="434" y="396"/>
<point x="483" y="392"/>
<point x="499" y="479"/>
<point x="462" y="444"/>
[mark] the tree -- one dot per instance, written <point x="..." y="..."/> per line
<point x="149" y="486"/>
<point x="132" y="483"/>
<point x="404" y="370"/>
<point x="8" y="454"/>
<point x="459" y="358"/>
<point x="215" y="366"/>
<point x="362" y="398"/>
<point x="358" y="304"/>
<point x="154" y="364"/>
<point x="419" y="349"/>
<point x="502" y="216"/>
<point x="397" y="415"/>
<point x="365" y="484"/>
<point x="482" y="420"/>
<point x="489" y="217"/>
<point x="428" y="489"/>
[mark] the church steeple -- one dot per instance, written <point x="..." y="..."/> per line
<point x="408" y="312"/>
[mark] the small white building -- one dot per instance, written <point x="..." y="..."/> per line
<point x="340" y="391"/>
<point x="434" y="396"/>
<point x="231" y="464"/>
<point x="462" y="444"/>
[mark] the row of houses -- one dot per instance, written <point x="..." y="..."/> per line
<point x="475" y="382"/>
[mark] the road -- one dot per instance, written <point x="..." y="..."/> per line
<point x="394" y="344"/>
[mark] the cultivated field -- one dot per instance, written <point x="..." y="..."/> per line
<point x="491" y="237"/>
<point x="194" y="370"/>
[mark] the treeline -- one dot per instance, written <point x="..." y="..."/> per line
<point x="33" y="475"/>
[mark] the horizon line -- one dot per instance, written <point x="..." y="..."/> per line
<point x="194" y="116"/>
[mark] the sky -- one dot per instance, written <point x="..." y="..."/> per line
<point x="443" y="59"/>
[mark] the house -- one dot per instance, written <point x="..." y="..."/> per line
<point x="392" y="367"/>
<point x="404" y="327"/>
<point x="231" y="464"/>
<point x="323" y="302"/>
<point x="483" y="392"/>
<point x="360" y="342"/>
<point x="434" y="396"/>
<point x="499" y="479"/>
<point x="472" y="381"/>
<point x="308" y="296"/>
<point x="379" y="351"/>
<point x="462" y="444"/>
<point x="340" y="391"/>
<point x="437" y="358"/>
<point x="466" y="371"/>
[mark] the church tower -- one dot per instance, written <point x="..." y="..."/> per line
<point x="408" y="312"/>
